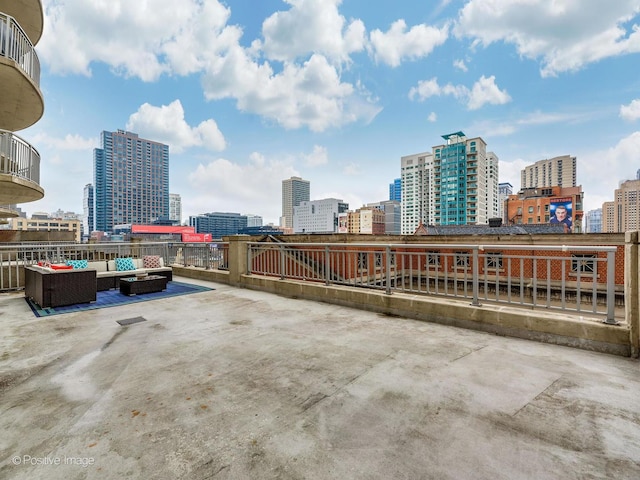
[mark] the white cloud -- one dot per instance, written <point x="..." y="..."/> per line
<point x="398" y="44"/>
<point x="432" y="117"/>
<point x="318" y="157"/>
<point x="125" y="36"/>
<point x="509" y="172"/>
<point x="167" y="124"/>
<point x="460" y="65"/>
<point x="69" y="142"/>
<point x="631" y="112"/>
<point x="484" y="91"/>
<point x="351" y="169"/>
<point x="596" y="185"/>
<point x="223" y="185"/>
<point x="310" y="95"/>
<point x="311" y="26"/>
<point x="565" y="34"/>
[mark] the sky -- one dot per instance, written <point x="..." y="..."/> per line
<point x="248" y="93"/>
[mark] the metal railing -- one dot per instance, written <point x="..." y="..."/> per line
<point x="18" y="157"/>
<point x="579" y="279"/>
<point x="13" y="258"/>
<point x="16" y="45"/>
<point x="202" y="255"/>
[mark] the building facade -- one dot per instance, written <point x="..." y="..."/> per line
<point x="42" y="223"/>
<point x="295" y="190"/>
<point x="504" y="190"/>
<point x="623" y="214"/>
<point x="464" y="192"/>
<point x="535" y="206"/>
<point x="21" y="103"/>
<point x="395" y="190"/>
<point x="554" y="172"/>
<point x="88" y="208"/>
<point x="218" y="224"/>
<point x="253" y="220"/>
<point x="175" y="208"/>
<point x="318" y="216"/>
<point x="417" y="205"/>
<point x="131" y="180"/>
<point x="392" y="215"/>
<point x="593" y="221"/>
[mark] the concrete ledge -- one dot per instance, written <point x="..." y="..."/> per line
<point x="197" y="273"/>
<point x="548" y="327"/>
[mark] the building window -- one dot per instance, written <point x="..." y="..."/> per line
<point x="462" y="259"/>
<point x="378" y="259"/>
<point x="494" y="260"/>
<point x="583" y="263"/>
<point x="433" y="259"/>
<point x="531" y="209"/>
<point x="363" y="261"/>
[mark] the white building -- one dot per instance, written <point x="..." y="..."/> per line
<point x="175" y="207"/>
<point x="492" y="193"/>
<point x="554" y="172"/>
<point x="417" y="205"/>
<point x="253" y="220"/>
<point x="318" y="216"/>
<point x="294" y="191"/>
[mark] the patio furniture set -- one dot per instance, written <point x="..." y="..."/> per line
<point x="78" y="281"/>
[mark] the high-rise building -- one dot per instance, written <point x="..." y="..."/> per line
<point x="175" y="208"/>
<point x="295" y="190"/>
<point x="593" y="221"/>
<point x="554" y="172"/>
<point x="417" y="203"/>
<point x="318" y="216"/>
<point x="623" y="214"/>
<point x="465" y="181"/>
<point x="22" y="103"/>
<point x="218" y="224"/>
<point x="88" y="219"/>
<point x="504" y="190"/>
<point x="131" y="180"/>
<point x="395" y="190"/>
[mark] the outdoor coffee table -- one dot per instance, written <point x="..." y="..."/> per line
<point x="147" y="284"/>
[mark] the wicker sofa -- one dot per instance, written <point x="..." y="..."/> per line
<point x="56" y="288"/>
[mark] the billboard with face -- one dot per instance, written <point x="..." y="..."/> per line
<point x="561" y="211"/>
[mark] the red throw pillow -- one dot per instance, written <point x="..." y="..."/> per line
<point x="62" y="267"/>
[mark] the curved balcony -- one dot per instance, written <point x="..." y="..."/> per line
<point x="19" y="170"/>
<point x="22" y="102"/>
<point x="6" y="211"/>
<point x="27" y="13"/>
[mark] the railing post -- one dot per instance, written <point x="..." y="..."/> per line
<point x="387" y="269"/>
<point x="611" y="286"/>
<point x="476" y="277"/>
<point x="282" y="263"/>
<point x="632" y="289"/>
<point x="327" y="275"/>
<point x="238" y="261"/>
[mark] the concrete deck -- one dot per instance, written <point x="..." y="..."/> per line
<point x="241" y="384"/>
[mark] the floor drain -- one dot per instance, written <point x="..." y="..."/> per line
<point x="131" y="321"/>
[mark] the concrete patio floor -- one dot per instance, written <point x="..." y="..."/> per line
<point x="240" y="384"/>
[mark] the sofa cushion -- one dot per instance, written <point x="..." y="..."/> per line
<point x="78" y="263"/>
<point x="98" y="266"/>
<point x="123" y="264"/>
<point x="151" y="261"/>
<point x="62" y="267"/>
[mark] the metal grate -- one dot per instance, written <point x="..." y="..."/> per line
<point x="131" y="321"/>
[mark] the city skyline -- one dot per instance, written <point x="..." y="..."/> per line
<point x="334" y="92"/>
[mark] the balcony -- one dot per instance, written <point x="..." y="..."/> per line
<point x="19" y="170"/>
<point x="22" y="101"/>
<point x="28" y="13"/>
<point x="6" y="211"/>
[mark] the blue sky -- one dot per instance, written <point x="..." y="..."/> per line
<point x="247" y="93"/>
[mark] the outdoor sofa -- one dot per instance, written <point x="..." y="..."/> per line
<point x="109" y="272"/>
<point x="51" y="288"/>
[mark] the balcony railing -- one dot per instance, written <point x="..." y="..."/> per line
<point x="16" y="45"/>
<point x="579" y="279"/>
<point x="18" y="158"/>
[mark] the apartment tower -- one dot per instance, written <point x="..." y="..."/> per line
<point x="417" y="201"/>
<point x="555" y="172"/>
<point x="623" y="214"/>
<point x="131" y="180"/>
<point x="294" y="191"/>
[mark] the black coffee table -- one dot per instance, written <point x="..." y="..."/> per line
<point x="148" y="284"/>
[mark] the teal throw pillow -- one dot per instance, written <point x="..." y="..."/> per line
<point x="123" y="264"/>
<point x="77" y="263"/>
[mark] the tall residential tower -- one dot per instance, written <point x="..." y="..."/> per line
<point x="131" y="180"/>
<point x="294" y="191"/>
